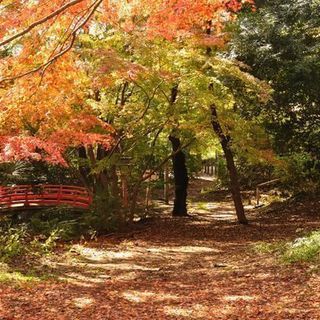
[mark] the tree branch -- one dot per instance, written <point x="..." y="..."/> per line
<point x="39" y="22"/>
<point x="73" y="35"/>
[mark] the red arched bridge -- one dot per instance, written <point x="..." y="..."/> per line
<point x="43" y="195"/>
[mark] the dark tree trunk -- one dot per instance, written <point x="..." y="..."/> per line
<point x="181" y="179"/>
<point x="234" y="182"/>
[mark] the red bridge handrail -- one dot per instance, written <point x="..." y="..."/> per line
<point x="42" y="195"/>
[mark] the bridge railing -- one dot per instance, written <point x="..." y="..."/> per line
<point x="44" y="195"/>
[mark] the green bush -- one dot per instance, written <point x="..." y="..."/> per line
<point x="250" y="175"/>
<point x="222" y="172"/>
<point x="64" y="219"/>
<point x="300" y="173"/>
<point x="105" y="214"/>
<point x="18" y="241"/>
<point x="12" y="242"/>
<point x="303" y="249"/>
<point x="26" y="172"/>
<point x="264" y="247"/>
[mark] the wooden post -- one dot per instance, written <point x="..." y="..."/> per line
<point x="216" y="165"/>
<point x="147" y="195"/>
<point x="124" y="190"/>
<point x="166" y="185"/>
<point x="257" y="196"/>
<point x="262" y="185"/>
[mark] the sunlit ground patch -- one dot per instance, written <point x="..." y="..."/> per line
<point x="239" y="298"/>
<point x="196" y="311"/>
<point x="144" y="296"/>
<point x="83" y="302"/>
<point x="182" y="249"/>
<point x="125" y="276"/>
<point x="102" y="254"/>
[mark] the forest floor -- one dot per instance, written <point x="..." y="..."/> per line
<point x="201" y="267"/>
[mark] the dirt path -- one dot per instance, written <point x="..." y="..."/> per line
<point x="201" y="267"/>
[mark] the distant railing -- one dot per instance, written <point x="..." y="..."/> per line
<point x="42" y="195"/>
<point x="263" y="185"/>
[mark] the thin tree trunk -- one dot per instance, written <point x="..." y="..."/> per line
<point x="181" y="179"/>
<point x="234" y="182"/>
<point x="166" y="184"/>
<point x="225" y="144"/>
<point x="124" y="190"/>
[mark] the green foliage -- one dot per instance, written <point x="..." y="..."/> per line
<point x="23" y="172"/>
<point x="18" y="277"/>
<point x="250" y="173"/>
<point x="222" y="172"/>
<point x="32" y="235"/>
<point x="305" y="249"/>
<point x="22" y="252"/>
<point x="12" y="242"/>
<point x="105" y="215"/>
<point x="266" y="248"/>
<point x="280" y="44"/>
<point x="65" y="220"/>
<point x="18" y="242"/>
<point x="139" y="106"/>
<point x="300" y="173"/>
<point x="194" y="163"/>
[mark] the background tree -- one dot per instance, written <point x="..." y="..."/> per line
<point x="280" y="44"/>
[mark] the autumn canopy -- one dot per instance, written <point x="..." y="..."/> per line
<point x="44" y="78"/>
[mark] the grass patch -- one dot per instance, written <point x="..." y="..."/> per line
<point x="202" y="205"/>
<point x="17" y="277"/>
<point x="303" y="249"/>
<point x="265" y="247"/>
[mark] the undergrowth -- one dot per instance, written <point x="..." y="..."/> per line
<point x="26" y="241"/>
<point x="302" y="249"/>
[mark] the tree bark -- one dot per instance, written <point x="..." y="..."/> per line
<point x="180" y="171"/>
<point x="181" y="179"/>
<point x="234" y="181"/>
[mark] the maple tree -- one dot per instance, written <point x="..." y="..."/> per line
<point x="46" y="73"/>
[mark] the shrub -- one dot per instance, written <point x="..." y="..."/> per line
<point x="64" y="219"/>
<point x="12" y="242"/>
<point x="300" y="173"/>
<point x="18" y="241"/>
<point x="250" y="174"/>
<point x="105" y="214"/>
<point x="303" y="249"/>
